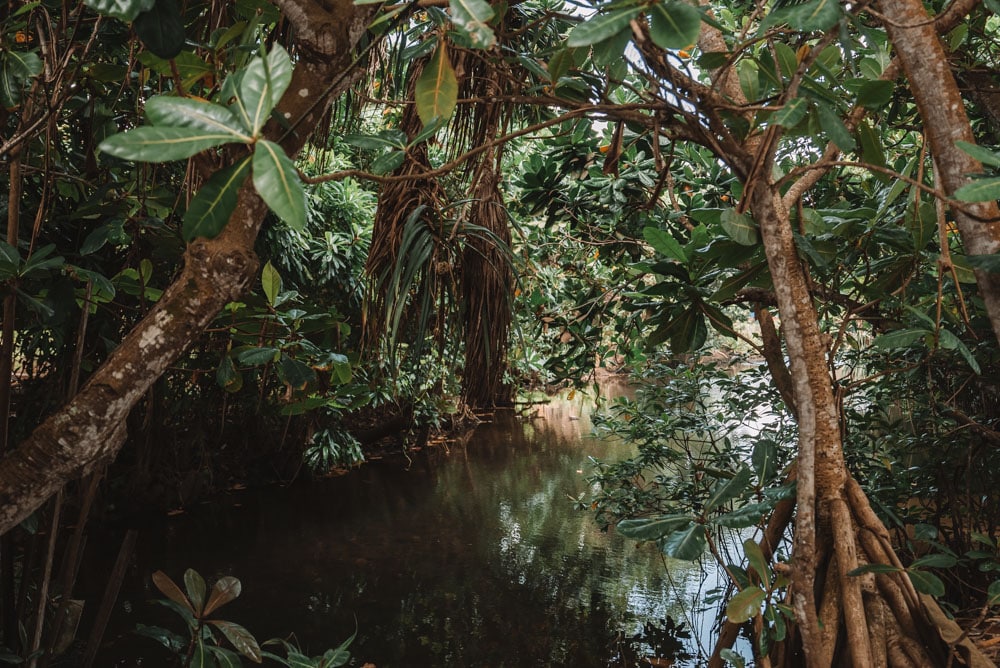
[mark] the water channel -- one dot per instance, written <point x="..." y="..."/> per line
<point x="471" y="556"/>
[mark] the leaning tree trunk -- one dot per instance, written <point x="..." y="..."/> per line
<point x="90" y="429"/>
<point x="868" y="620"/>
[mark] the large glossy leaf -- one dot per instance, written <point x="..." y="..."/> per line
<point x="211" y="208"/>
<point x="242" y="640"/>
<point x="664" y="243"/>
<point x="793" y="112"/>
<point x="989" y="263"/>
<point x="980" y="190"/>
<point x="225" y="658"/>
<point x="194" y="584"/>
<point x="16" y="67"/>
<point x="726" y="490"/>
<point x="162" y="144"/>
<point x="765" y="460"/>
<point x="652" y="528"/>
<point x="436" y="91"/>
<point x="674" y="24"/>
<point x="201" y="657"/>
<point x="161" y="29"/>
<point x="949" y="341"/>
<point x="270" y="281"/>
<point x="600" y="27"/>
<point x="263" y="83"/>
<point x="126" y="10"/>
<point x="472" y="17"/>
<point x="740" y="227"/>
<point x="926" y="583"/>
<point x="834" y="127"/>
<point x="228" y="378"/>
<point x="687" y="544"/>
<point x="186" y="112"/>
<point x="226" y="589"/>
<point x="745" y="605"/>
<point x="170" y="589"/>
<point x="755" y="557"/>
<point x="741" y="518"/>
<point x="900" y="338"/>
<point x="278" y="183"/>
<point x="983" y="155"/>
<point x="257" y="356"/>
<point x="295" y="373"/>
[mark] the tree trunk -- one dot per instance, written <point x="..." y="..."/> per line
<point x="942" y="109"/>
<point x="91" y="428"/>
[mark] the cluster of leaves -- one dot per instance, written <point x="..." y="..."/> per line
<point x="202" y="648"/>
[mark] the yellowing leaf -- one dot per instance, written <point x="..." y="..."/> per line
<point x="437" y="88"/>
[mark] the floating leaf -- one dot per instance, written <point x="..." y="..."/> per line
<point x="740" y="227"/>
<point x="664" y="243"/>
<point x="745" y="605"/>
<point x="652" y="528"/>
<point x="277" y="182"/>
<point x="211" y="208"/>
<point x="472" y="17"/>
<point x="162" y="144"/>
<point x="436" y="91"/>
<point x="600" y="27"/>
<point x="674" y="25"/>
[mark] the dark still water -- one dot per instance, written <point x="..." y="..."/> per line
<point x="472" y="557"/>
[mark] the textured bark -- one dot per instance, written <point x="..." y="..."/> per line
<point x="90" y="429"/>
<point x="942" y="109"/>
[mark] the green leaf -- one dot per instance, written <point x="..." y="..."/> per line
<point x="257" y="356"/>
<point x="745" y="605"/>
<point x="674" y="25"/>
<point x="277" y="182"/>
<point x="741" y="518"/>
<point x="652" y="528"/>
<point x="161" y="29"/>
<point x="610" y="51"/>
<point x="983" y="155"/>
<point x="732" y="657"/>
<point x="876" y="94"/>
<point x="793" y="112"/>
<point x="989" y="263"/>
<point x="834" y="127"/>
<point x="263" y="83"/>
<point x="472" y="17"/>
<point x="228" y="378"/>
<point x="901" y="338"/>
<point x="186" y="112"/>
<point x="664" y="243"/>
<point x="815" y="15"/>
<point x="211" y="208"/>
<point x="980" y="190"/>
<point x="242" y="640"/>
<point x="765" y="460"/>
<point x="993" y="593"/>
<point x="168" y="639"/>
<point x="740" y="227"/>
<point x="726" y="490"/>
<point x="194" y="584"/>
<point x="201" y="658"/>
<point x="436" y="91"/>
<point x="949" y="341"/>
<point x="755" y="557"/>
<point x="687" y="544"/>
<point x="874" y="568"/>
<point x="926" y="583"/>
<point x="16" y="67"/>
<point x="270" y="280"/>
<point x="600" y="27"/>
<point x="226" y="589"/>
<point x="225" y="658"/>
<point x="295" y="373"/>
<point x="388" y="162"/>
<point x="126" y="10"/>
<point x="162" y="144"/>
<point x="935" y="561"/>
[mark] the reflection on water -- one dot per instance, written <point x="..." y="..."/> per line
<point x="474" y="557"/>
